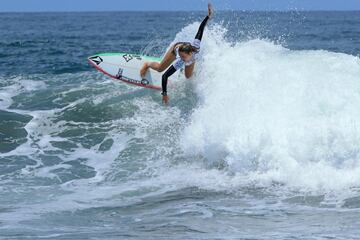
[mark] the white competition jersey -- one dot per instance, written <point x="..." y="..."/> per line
<point x="179" y="63"/>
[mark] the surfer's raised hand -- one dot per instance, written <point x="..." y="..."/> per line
<point x="210" y="9"/>
<point x="165" y="99"/>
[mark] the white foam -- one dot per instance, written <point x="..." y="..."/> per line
<point x="6" y="95"/>
<point x="277" y="115"/>
<point x="31" y="85"/>
<point x="19" y="85"/>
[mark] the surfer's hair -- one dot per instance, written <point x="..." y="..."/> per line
<point x="188" y="48"/>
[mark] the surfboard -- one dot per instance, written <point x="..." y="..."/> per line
<point x="126" y="67"/>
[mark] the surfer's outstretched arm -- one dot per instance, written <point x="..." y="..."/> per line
<point x="190" y="50"/>
<point x="200" y="32"/>
<point x="165" y="78"/>
<point x="189" y="66"/>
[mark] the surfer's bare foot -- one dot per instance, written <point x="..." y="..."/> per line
<point x="144" y="69"/>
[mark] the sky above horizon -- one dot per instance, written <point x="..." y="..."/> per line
<point x="173" y="5"/>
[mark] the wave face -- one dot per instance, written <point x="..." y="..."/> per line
<point x="261" y="143"/>
<point x="276" y="115"/>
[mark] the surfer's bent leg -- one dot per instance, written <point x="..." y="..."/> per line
<point x="160" y="67"/>
<point x="189" y="69"/>
<point x="165" y="77"/>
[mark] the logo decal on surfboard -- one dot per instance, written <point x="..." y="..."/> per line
<point x="127" y="57"/>
<point x="144" y="82"/>
<point x="96" y="59"/>
<point x="138" y="57"/>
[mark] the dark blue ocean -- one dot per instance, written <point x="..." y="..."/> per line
<point x="263" y="142"/>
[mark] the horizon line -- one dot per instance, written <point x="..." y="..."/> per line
<point x="182" y="11"/>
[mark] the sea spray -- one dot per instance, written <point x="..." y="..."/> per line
<point x="277" y="115"/>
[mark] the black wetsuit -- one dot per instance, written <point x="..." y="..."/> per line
<point x="179" y="63"/>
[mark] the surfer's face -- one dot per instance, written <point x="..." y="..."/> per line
<point x="185" y="56"/>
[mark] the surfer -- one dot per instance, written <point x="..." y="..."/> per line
<point x="184" y="53"/>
